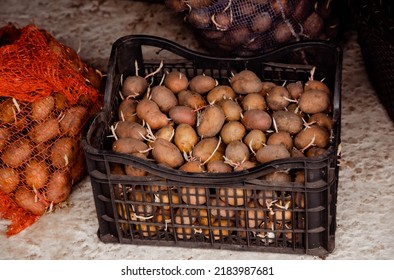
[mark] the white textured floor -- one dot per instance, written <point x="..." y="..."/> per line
<point x="365" y="206"/>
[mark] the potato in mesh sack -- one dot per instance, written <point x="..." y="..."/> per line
<point x="47" y="96"/>
<point x="250" y="27"/>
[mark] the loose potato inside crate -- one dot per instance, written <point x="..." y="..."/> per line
<point x="264" y="215"/>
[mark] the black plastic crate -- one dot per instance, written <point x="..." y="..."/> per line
<point x="296" y="217"/>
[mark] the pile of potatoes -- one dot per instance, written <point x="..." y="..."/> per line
<point x="198" y="125"/>
<point x="40" y="155"/>
<point x="255" y="26"/>
<point x="223" y="128"/>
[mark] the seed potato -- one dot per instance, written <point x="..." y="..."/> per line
<point x="314" y="101"/>
<point x="130" y="129"/>
<point x="318" y="85"/>
<point x="315" y="152"/>
<point x="278" y="177"/>
<point x="36" y="174"/>
<point x="199" y="18"/>
<point x="222" y="20"/>
<point x="278" y="98"/>
<point x="205" y="219"/>
<point x="283" y="32"/>
<point x="45" y="131"/>
<point x="42" y="108"/>
<point x="234" y="196"/>
<point x="256" y="119"/>
<point x="232" y="110"/>
<point x="265" y="197"/>
<point x="134" y="171"/>
<point x="176" y="81"/>
<point x="26" y="198"/>
<point x="220" y="229"/>
<point x="59" y="186"/>
<point x="218" y="166"/>
<point x="266" y="87"/>
<point x="255" y="139"/>
<point x="141" y="202"/>
<point x="129" y="146"/>
<point x="164" y="98"/>
<point x="208" y="149"/>
<point x="287" y="121"/>
<point x="4" y="135"/>
<point x="246" y="82"/>
<point x="183" y="114"/>
<point x="73" y="121"/>
<point x="313" y="25"/>
<point x="261" y="22"/>
<point x="295" y="89"/>
<point x="185" y="138"/>
<point x="78" y="168"/>
<point x="237" y="36"/>
<point x="149" y="111"/>
<point x="63" y="152"/>
<point x="281" y="138"/>
<point x="220" y="92"/>
<point x="253" y="101"/>
<point x="191" y="99"/>
<point x="194" y="195"/>
<point x="61" y="102"/>
<point x="237" y="152"/>
<point x="255" y="215"/>
<point x="302" y="9"/>
<point x="127" y="110"/>
<point x="146" y="229"/>
<point x="321" y="119"/>
<point x="134" y="86"/>
<point x="9" y="180"/>
<point x="272" y="152"/>
<point x="186" y="216"/>
<point x="202" y="84"/>
<point x="169" y="199"/>
<point x="192" y="166"/>
<point x="166" y="132"/>
<point x="166" y="152"/>
<point x="8" y="111"/>
<point x="314" y="135"/>
<point x="232" y="131"/>
<point x="244" y="165"/>
<point x="210" y="121"/>
<point x="220" y="209"/>
<point x="282" y="6"/>
<point x="17" y="153"/>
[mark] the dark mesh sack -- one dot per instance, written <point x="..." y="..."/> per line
<point x="374" y="21"/>
<point x="248" y="27"/>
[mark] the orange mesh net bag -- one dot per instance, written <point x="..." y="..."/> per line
<point x="47" y="96"/>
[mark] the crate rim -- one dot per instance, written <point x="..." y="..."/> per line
<point x="195" y="56"/>
<point x="267" y="57"/>
<point x="157" y="41"/>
